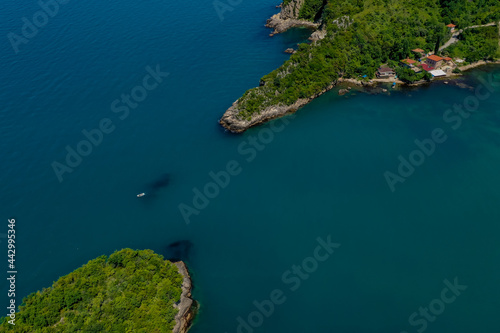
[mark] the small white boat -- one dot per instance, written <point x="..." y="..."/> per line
<point x="141" y="195"/>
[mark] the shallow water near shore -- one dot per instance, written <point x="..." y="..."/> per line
<point x="321" y="174"/>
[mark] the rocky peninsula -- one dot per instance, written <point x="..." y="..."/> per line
<point x="234" y="123"/>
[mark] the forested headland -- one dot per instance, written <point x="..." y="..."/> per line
<point x="129" y="291"/>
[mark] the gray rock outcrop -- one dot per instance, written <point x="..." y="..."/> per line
<point x="185" y="315"/>
<point x="288" y="18"/>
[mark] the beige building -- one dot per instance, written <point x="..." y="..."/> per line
<point x="434" y="61"/>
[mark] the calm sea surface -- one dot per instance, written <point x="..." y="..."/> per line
<point x="319" y="174"/>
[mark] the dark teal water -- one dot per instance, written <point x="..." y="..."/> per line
<point x="322" y="175"/>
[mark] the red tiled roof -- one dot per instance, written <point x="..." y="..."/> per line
<point x="419" y="51"/>
<point x="427" y="68"/>
<point x="435" y="57"/>
<point x="447" y="58"/>
<point x="408" y="61"/>
<point x="451" y="25"/>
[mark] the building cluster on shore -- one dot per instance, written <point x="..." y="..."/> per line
<point x="426" y="61"/>
<point x="434" y="64"/>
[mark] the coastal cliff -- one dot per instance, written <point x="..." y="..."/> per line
<point x="288" y="17"/>
<point x="185" y="316"/>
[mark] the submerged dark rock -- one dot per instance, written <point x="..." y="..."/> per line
<point x="178" y="251"/>
<point x="152" y="188"/>
<point x="161" y="182"/>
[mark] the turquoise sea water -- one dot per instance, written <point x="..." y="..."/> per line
<point x="321" y="176"/>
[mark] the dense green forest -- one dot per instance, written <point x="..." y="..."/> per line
<point x="131" y="291"/>
<point x="362" y="35"/>
<point x="476" y="44"/>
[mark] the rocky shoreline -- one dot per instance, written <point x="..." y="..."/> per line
<point x="186" y="305"/>
<point x="478" y="64"/>
<point x="288" y="18"/>
<point x="231" y="122"/>
<point x="279" y="25"/>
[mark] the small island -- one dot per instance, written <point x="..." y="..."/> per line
<point x="367" y="42"/>
<point x="131" y="291"/>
